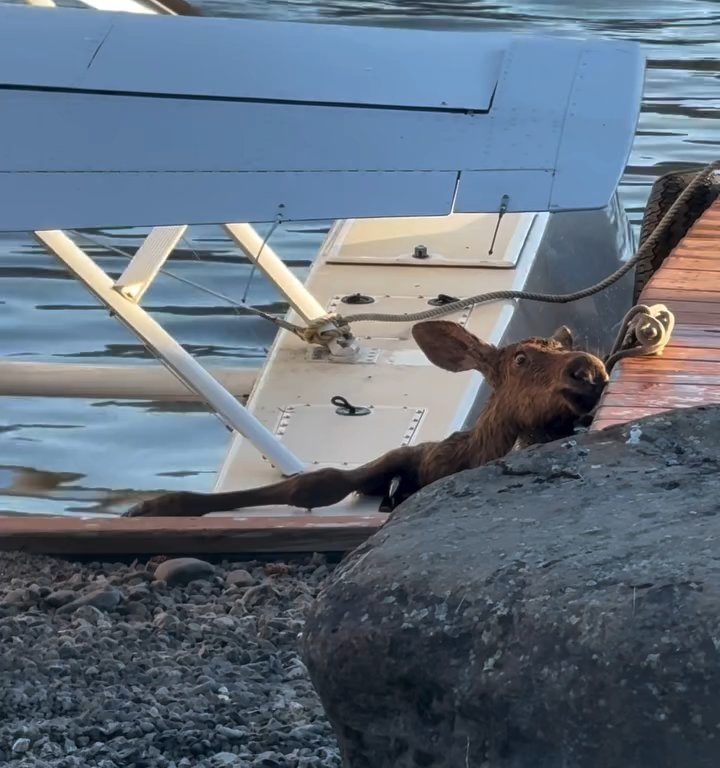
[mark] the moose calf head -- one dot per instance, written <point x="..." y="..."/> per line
<point x="536" y="382"/>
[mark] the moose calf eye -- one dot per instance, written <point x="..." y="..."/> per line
<point x="520" y="358"/>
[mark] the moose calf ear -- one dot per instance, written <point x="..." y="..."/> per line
<point x="564" y="336"/>
<point x="449" y="346"/>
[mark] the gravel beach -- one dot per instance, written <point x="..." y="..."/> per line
<point x="174" y="663"/>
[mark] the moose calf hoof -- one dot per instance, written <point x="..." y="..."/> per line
<point x="174" y="504"/>
<point x="509" y="617"/>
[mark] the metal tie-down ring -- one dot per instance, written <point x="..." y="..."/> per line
<point x="344" y="408"/>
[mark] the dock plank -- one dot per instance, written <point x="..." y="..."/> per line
<point x="688" y="371"/>
<point x="692" y="264"/>
<point x="663" y="366"/>
<point x="660" y="395"/>
<point x="181" y="535"/>
<point x="668" y="377"/>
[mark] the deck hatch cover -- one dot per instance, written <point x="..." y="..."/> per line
<point x="319" y="436"/>
<point x="458" y="240"/>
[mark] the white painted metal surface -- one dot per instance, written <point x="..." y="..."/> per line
<point x="66" y="200"/>
<point x="221" y="58"/>
<point x="461" y="240"/>
<point x="270" y="264"/>
<point x="174" y="357"/>
<point x="127" y="6"/>
<point x="112" y="382"/>
<point x="148" y="261"/>
<point x="346" y="442"/>
<point x="304" y="142"/>
<point x="119" y="5"/>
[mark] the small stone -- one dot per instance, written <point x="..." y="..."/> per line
<point x="90" y="613"/>
<point x="60" y="597"/>
<point x="200" y="585"/>
<point x="68" y="650"/>
<point x="182" y="570"/>
<point x="269" y="760"/>
<point x="104" y="599"/>
<point x="225" y="758"/>
<point x="239" y="578"/>
<point x="225" y="622"/>
<point x="165" y="620"/>
<point x="16" y="597"/>
<point x="137" y="611"/>
<point x="230" y="733"/>
<point x="21" y="745"/>
<point x="51" y="750"/>
<point x="138" y="592"/>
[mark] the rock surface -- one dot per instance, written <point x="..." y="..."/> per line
<point x="558" y="609"/>
<point x="104" y="666"/>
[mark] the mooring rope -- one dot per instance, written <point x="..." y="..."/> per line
<point x="551" y="298"/>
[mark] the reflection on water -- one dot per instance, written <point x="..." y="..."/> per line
<point x="64" y="456"/>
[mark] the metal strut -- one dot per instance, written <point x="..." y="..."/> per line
<point x="170" y="353"/>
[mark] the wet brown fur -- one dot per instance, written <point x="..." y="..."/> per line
<point x="541" y="387"/>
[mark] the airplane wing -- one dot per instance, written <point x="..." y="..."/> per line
<point x="115" y="119"/>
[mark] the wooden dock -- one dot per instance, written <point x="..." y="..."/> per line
<point x="688" y="371"/>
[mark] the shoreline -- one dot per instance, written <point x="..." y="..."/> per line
<point x="104" y="665"/>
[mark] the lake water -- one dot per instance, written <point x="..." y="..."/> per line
<point x="69" y="457"/>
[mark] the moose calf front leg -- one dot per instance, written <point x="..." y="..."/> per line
<point x="176" y="504"/>
<point x="315" y="489"/>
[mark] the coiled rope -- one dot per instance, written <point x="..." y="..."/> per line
<point x="643" y="331"/>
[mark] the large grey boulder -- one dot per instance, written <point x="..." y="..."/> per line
<point x="557" y="609"/>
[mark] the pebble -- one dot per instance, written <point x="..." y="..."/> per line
<point x="108" y="669"/>
<point x="102" y="599"/>
<point x="89" y="613"/>
<point x="16" y="597"/>
<point x="269" y="760"/>
<point x="239" y="578"/>
<point x="60" y="597"/>
<point x="226" y="758"/>
<point x="225" y="622"/>
<point x="182" y="570"/>
<point x="164" y="620"/>
<point x="21" y="745"/>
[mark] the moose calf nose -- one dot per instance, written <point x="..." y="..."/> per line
<point x="588" y="369"/>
